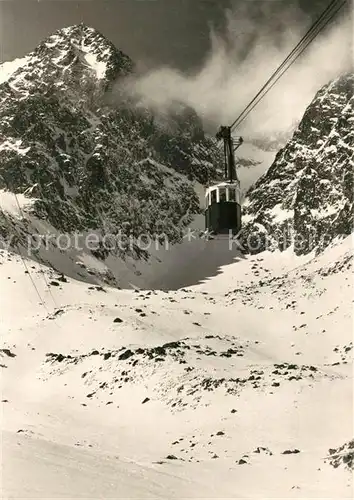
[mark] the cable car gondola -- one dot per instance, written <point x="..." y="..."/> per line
<point x="222" y="201"/>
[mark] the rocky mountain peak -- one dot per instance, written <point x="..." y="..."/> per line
<point x="87" y="45"/>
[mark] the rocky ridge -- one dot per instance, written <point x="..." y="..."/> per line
<point x="305" y="199"/>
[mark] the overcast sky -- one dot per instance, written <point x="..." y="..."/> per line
<point x="152" y="32"/>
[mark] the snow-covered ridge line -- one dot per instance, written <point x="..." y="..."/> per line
<point x="14" y="204"/>
<point x="8" y="68"/>
<point x="15" y="146"/>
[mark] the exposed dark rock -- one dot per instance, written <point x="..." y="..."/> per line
<point x="58" y="312"/>
<point x="62" y="279"/>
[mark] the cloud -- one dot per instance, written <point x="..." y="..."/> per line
<point x="257" y="38"/>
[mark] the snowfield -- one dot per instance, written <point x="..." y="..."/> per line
<point x="240" y="387"/>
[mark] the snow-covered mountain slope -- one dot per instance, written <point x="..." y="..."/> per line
<point x="257" y="154"/>
<point x="88" y="166"/>
<point x="252" y="162"/>
<point x="70" y="56"/>
<point x="306" y="197"/>
<point x="211" y="391"/>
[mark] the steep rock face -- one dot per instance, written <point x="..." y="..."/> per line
<point x="87" y="165"/>
<point x="306" y="197"/>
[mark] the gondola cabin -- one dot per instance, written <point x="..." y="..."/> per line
<point x="223" y="208"/>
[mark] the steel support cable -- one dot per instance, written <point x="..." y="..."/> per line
<point x="332" y="9"/>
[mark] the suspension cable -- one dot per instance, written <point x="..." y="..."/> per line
<point x="42" y="301"/>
